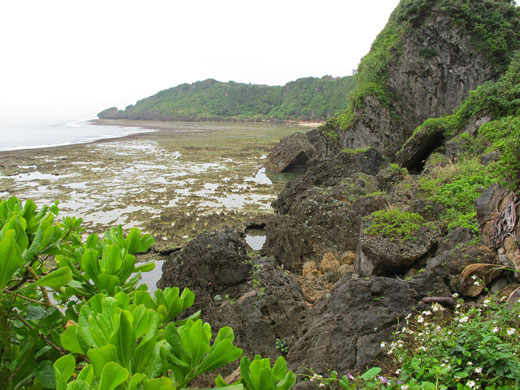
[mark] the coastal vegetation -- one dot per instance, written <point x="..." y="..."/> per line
<point x="82" y="323"/>
<point x="307" y="99"/>
<point x="494" y="27"/>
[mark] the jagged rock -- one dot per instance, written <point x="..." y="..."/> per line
<point x="211" y="264"/>
<point x="324" y="221"/>
<point x="329" y="172"/>
<point x="449" y="265"/>
<point x="418" y="147"/>
<point x="268" y="311"/>
<point x="291" y="154"/>
<point x="345" y="330"/>
<point x="380" y="255"/>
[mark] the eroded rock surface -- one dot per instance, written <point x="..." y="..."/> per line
<point x="291" y="154"/>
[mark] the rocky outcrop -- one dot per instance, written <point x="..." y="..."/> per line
<point x="345" y="330"/>
<point x="212" y="264"/>
<point x="329" y="172"/>
<point x="382" y="255"/>
<point x="291" y="154"/>
<point x="424" y="86"/>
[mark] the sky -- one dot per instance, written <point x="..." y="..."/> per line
<point x="74" y="58"/>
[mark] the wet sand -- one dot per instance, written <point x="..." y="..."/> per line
<point x="175" y="183"/>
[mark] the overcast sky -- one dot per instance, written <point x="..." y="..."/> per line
<point x="74" y="58"/>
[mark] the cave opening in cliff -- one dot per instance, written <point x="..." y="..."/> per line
<point x="416" y="165"/>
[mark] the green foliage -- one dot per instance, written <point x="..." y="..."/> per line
<point x="457" y="187"/>
<point x="106" y="265"/>
<point x="257" y="374"/>
<point x="477" y="345"/>
<point x="304" y="99"/>
<point x="473" y="348"/>
<point x="395" y="224"/>
<point x="493" y="24"/>
<point x="355" y="151"/>
<point x="120" y="338"/>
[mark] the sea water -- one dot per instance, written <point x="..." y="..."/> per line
<point x="31" y="134"/>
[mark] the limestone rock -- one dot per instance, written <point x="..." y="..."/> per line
<point x="345" y="329"/>
<point x="208" y="265"/>
<point x="291" y="154"/>
<point x="380" y="255"/>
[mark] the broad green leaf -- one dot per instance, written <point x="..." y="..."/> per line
<point x="280" y="368"/>
<point x="56" y="279"/>
<point x="143" y="353"/>
<point x="111" y="259"/>
<point x="135" y="380"/>
<point x="40" y="240"/>
<point x="288" y="382"/>
<point x="112" y="376"/>
<point x="262" y="379"/>
<point x="370" y="374"/>
<point x="126" y="268"/>
<point x="90" y="264"/>
<point x="87" y="374"/>
<point x="10" y="259"/>
<point x="221" y="354"/>
<point x="174" y="339"/>
<point x="225" y="333"/>
<point x="45" y="374"/>
<point x="146" y="267"/>
<point x="159" y="384"/>
<point x="78" y="385"/>
<point x="18" y="224"/>
<point x="195" y="341"/>
<point x="71" y="342"/>
<point x="124" y="338"/>
<point x="63" y="368"/>
<point x="108" y="282"/>
<point x="101" y="356"/>
<point x="245" y="374"/>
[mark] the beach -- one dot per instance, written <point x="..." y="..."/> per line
<point x="176" y="182"/>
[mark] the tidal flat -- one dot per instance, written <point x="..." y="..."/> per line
<point x="177" y="182"/>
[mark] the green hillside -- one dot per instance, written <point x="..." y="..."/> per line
<point x="304" y="99"/>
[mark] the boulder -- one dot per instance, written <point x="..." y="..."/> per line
<point x="382" y="255"/>
<point x="325" y="220"/>
<point x="270" y="309"/>
<point x="212" y="264"/>
<point x="344" y="330"/>
<point x="327" y="173"/>
<point x="291" y="154"/>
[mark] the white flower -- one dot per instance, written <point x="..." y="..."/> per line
<point x="495" y="329"/>
<point x="420" y="319"/>
<point x="474" y="277"/>
<point x="470" y="384"/>
<point x="455" y="295"/>
<point x="383" y="344"/>
<point x="476" y="283"/>
<point x="487" y="302"/>
<point x="511" y="331"/>
<point x="404" y="387"/>
<point x="470" y="363"/>
<point x="478" y="370"/>
<point x="464" y="319"/>
<point x="322" y="384"/>
<point x="427" y="313"/>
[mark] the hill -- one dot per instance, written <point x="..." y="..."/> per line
<point x="315" y="99"/>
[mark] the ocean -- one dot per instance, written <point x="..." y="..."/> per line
<point x="17" y="135"/>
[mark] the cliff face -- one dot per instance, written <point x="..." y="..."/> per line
<point x="433" y="73"/>
<point x="422" y="65"/>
